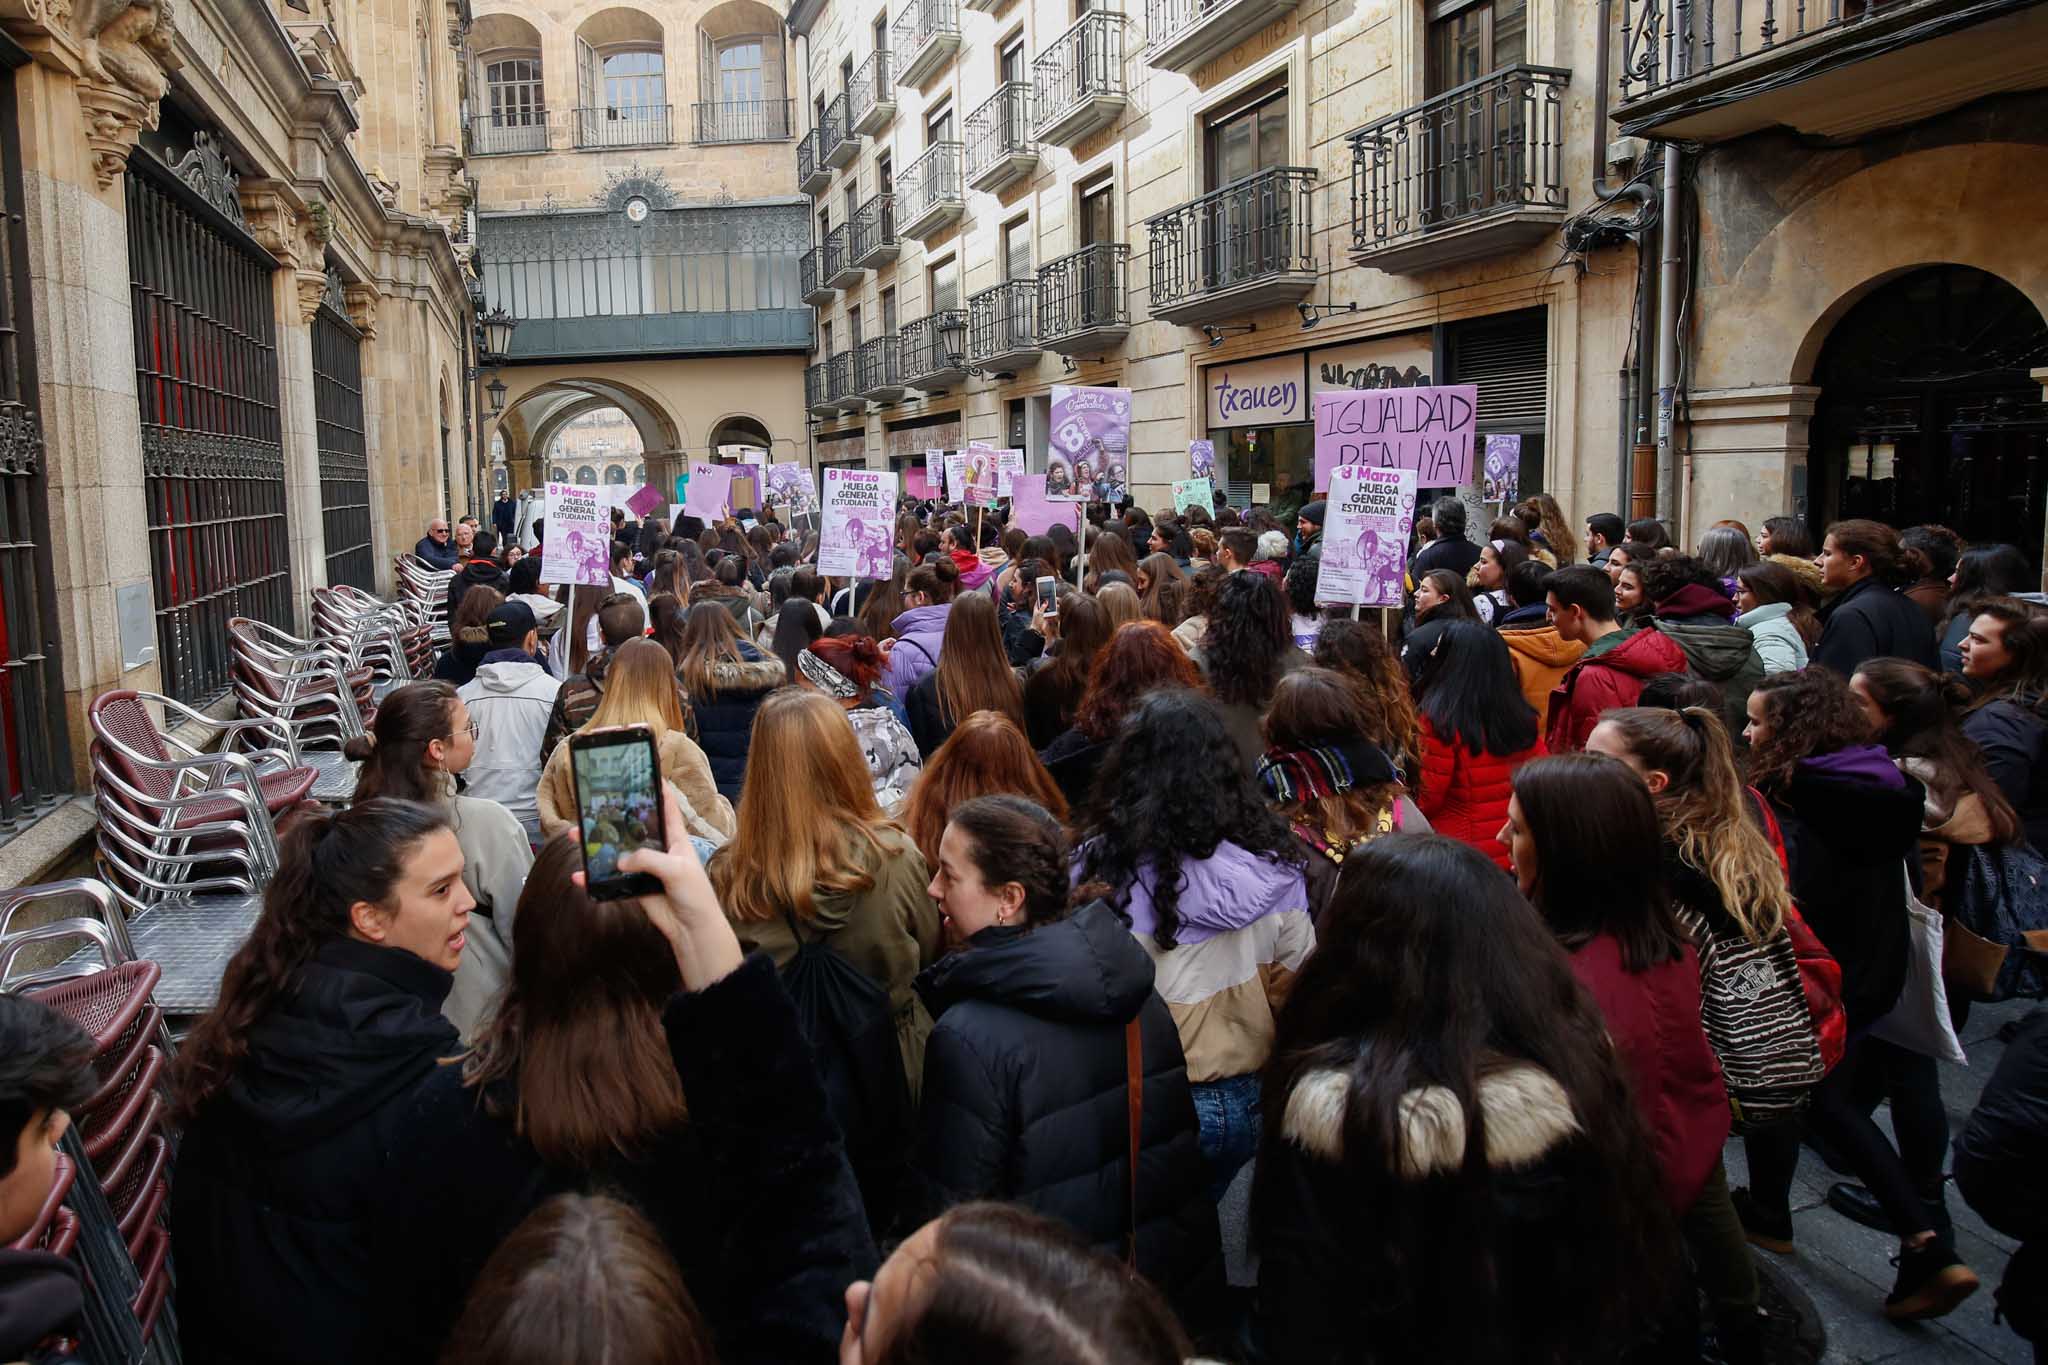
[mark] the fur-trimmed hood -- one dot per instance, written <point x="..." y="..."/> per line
<point x="1527" y="1116"/>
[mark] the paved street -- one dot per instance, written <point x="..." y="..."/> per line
<point x="1846" y="1269"/>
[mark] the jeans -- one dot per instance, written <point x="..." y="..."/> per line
<point x="1228" y="1111"/>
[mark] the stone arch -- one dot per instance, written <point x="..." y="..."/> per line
<point x="727" y="70"/>
<point x="538" y="408"/>
<point x="615" y="473"/>
<point x="738" y="428"/>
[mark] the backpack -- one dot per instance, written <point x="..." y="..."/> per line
<point x="851" y="1026"/>
<point x="1753" y="1009"/>
<point x="1995" y="945"/>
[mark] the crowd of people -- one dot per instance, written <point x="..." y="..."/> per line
<point x="1171" y="964"/>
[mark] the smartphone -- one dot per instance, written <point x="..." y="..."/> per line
<point x="617" y="773"/>
<point x="1049" y="596"/>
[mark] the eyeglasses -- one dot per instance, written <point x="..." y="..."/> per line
<point x="474" y="729"/>
<point x="437" y="531"/>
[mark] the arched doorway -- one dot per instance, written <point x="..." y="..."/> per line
<point x="1926" y="412"/>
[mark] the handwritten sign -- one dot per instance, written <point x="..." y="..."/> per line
<point x="855" y="534"/>
<point x="1365" y="535"/>
<point x="1426" y="430"/>
<point x="709" y="491"/>
<point x="1192" y="493"/>
<point x="578" y="545"/>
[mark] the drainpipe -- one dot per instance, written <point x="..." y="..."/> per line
<point x="1667" y="340"/>
<point x="1643" y="195"/>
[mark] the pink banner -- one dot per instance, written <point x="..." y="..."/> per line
<point x="918" y="484"/>
<point x="1030" y="510"/>
<point x="1428" y="430"/>
<point x="645" y="501"/>
<point x="709" y="491"/>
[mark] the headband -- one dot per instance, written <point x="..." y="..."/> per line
<point x="825" y="677"/>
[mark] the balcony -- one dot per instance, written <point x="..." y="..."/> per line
<point x="818" y="400"/>
<point x="510" y="134"/>
<point x="810" y="282"/>
<point x="933" y="350"/>
<point x="840" y="146"/>
<point x="722" y="122"/>
<point x="1002" y="328"/>
<point x="839" y="384"/>
<point x="841" y="272"/>
<point x="986" y="6"/>
<point x="928" y="193"/>
<point x="928" y="34"/>
<point x="1000" y="151"/>
<point x="1077" y="84"/>
<point x="813" y="176"/>
<point x="624" y="125"/>
<point x="874" y="232"/>
<point x="1712" y="70"/>
<point x="1081" y="308"/>
<point x="1475" y="172"/>
<point x="871" y="101"/>
<point x="1235" y="250"/>
<point x="1181" y="35"/>
<point x="876" y="375"/>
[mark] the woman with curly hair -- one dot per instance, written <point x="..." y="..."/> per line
<point x="1851" y="820"/>
<point x="1138" y="658"/>
<point x="1777" y="610"/>
<point x="987" y="755"/>
<point x="1360" y="653"/>
<point x="1244" y="652"/>
<point x="1181" y="843"/>
<point x="1201" y="600"/>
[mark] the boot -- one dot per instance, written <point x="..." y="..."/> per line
<point x="1932" y="1281"/>
<point x="1770" y="1229"/>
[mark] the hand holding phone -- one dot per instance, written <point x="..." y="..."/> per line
<point x="619" y="807"/>
<point x="1049" y="595"/>
<point x="684" y="908"/>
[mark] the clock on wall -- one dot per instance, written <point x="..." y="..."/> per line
<point x="636" y="209"/>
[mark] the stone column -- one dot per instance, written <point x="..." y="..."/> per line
<point x="1746" y="447"/>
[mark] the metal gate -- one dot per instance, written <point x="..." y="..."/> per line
<point x="34" y="746"/>
<point x="344" y="461"/>
<point x="212" y="451"/>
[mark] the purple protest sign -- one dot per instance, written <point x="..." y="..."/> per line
<point x="1503" y="468"/>
<point x="709" y="491"/>
<point x="1032" y="510"/>
<point x="578" y="545"/>
<point x="1009" y="464"/>
<point x="1365" y="535"/>
<point x="645" y="501"/>
<point x="790" y="485"/>
<point x="1201" y="459"/>
<point x="1091" y="444"/>
<point x="1428" y="430"/>
<point x="856" y="532"/>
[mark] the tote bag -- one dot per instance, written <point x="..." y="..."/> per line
<point x="1919" y="1022"/>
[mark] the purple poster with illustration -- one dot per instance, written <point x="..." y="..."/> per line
<point x="1365" y="535"/>
<point x="1091" y="444"/>
<point x="856" y="536"/>
<point x="1201" y="459"/>
<point x="789" y="485"/>
<point x="935" y="470"/>
<point x="578" y="545"/>
<point x="978" y="476"/>
<point x="1503" y="468"/>
<point x="1427" y="430"/>
<point x="710" y="490"/>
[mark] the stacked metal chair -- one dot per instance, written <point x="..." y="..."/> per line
<point x="392" y="639"/>
<point x="316" y="697"/>
<point x="114" y="1223"/>
<point x="187" y="840"/>
<point x="426" y="589"/>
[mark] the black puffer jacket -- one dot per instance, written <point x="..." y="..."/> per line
<point x="1849" y="832"/>
<point x="476" y="573"/>
<point x="1871" y="621"/>
<point x="2014" y="737"/>
<point x="1025" y="1097"/>
<point x="725" y="722"/>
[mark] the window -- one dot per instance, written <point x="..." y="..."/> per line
<point x="1098" y="213"/>
<point x="1473" y="38"/>
<point x="1246" y="137"/>
<point x="1016" y="260"/>
<point x="938" y="126"/>
<point x="514" y="86"/>
<point x="740" y="72"/>
<point x="882" y="33"/>
<point x="825" y="339"/>
<point x="1010" y="63"/>
<point x="633" y="82"/>
<point x="885" y="174"/>
<point x="853" y="327"/>
<point x="846" y="80"/>
<point x="888" y="312"/>
<point x="944" y="286"/>
<point x="824" y="226"/>
<point x="852" y="200"/>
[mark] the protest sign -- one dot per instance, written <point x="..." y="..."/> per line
<point x="956" y="477"/>
<point x="790" y="486"/>
<point x="1365" y="535"/>
<point x="1036" y="513"/>
<point x="935" y="470"/>
<point x="1009" y="464"/>
<point x="578" y="545"/>
<point x="1427" y="430"/>
<point x="1201" y="459"/>
<point x="917" y="484"/>
<point x="858" y="525"/>
<point x="1091" y="441"/>
<point x="643" y="501"/>
<point x="979" y="478"/>
<point x="1192" y="493"/>
<point x="1503" y="468"/>
<point x="708" y="494"/>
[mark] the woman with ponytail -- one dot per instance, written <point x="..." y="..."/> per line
<point x="421" y="739"/>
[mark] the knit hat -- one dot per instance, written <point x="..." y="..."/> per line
<point x="1314" y="511"/>
<point x="509" y="623"/>
<point x="1325" y="770"/>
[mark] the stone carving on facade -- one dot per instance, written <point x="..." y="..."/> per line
<point x="361" y="307"/>
<point x="206" y="171"/>
<point x="125" y="53"/>
<point x="635" y="182"/>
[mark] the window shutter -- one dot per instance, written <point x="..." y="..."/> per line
<point x="1506" y="357"/>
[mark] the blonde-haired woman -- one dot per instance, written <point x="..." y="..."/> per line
<point x="816" y="859"/>
<point x="640" y="689"/>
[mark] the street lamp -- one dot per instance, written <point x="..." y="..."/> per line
<point x="497" y="328"/>
<point x="496" y="389"/>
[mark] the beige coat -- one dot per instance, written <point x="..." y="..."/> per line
<point x="707" y="814"/>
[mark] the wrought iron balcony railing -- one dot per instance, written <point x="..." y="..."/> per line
<point x="932" y="350"/>
<point x="999" y="143"/>
<point x="818" y="390"/>
<point x="1664" y="42"/>
<point x="874" y="231"/>
<point x="926" y="35"/>
<point x="841" y="271"/>
<point x="1488" y="149"/>
<point x="720" y="121"/>
<point x="812" y="174"/>
<point x="1248" y="245"/>
<point x="507" y="134"/>
<point x="839" y="381"/>
<point x="1002" y="325"/>
<point x="832" y="134"/>
<point x="1081" y="299"/>
<point x="1181" y="35"/>
<point x="871" y="99"/>
<point x="929" y="193"/>
<point x="876" y="374"/>
<point x="811" y="278"/>
<point x="1077" y="83"/>
<point x="624" y="125"/>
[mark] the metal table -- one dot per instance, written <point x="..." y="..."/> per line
<point x="191" y="940"/>
<point x="336" y="783"/>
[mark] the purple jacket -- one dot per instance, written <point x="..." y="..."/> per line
<point x="919" y="634"/>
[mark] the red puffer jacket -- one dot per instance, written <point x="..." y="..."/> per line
<point x="1654" y="1019"/>
<point x="1604" y="679"/>
<point x="1465" y="795"/>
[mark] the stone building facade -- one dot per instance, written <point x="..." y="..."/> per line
<point x="241" y="334"/>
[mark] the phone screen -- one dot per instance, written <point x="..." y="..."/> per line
<point x="1049" y="596"/>
<point x="618" y="799"/>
